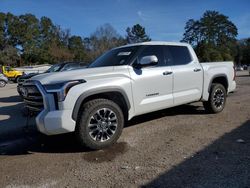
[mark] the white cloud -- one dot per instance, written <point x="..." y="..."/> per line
<point x="141" y="15"/>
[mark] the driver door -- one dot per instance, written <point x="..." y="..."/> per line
<point x="152" y="85"/>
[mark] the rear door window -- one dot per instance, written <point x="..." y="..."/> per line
<point x="180" y="55"/>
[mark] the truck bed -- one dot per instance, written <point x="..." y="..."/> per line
<point x="224" y="68"/>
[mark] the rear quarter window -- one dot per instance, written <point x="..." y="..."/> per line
<point x="180" y="55"/>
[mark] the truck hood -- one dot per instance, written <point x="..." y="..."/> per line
<point x="28" y="76"/>
<point x="86" y="74"/>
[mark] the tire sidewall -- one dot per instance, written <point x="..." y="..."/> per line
<point x="85" y="118"/>
<point x="4" y="83"/>
<point x="214" y="87"/>
<point x="17" y="78"/>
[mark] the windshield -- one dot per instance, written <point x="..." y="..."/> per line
<point x="54" y="68"/>
<point x="115" y="57"/>
<point x="9" y="69"/>
<point x="70" y="66"/>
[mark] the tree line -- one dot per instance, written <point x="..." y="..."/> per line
<point x="27" y="40"/>
<point x="213" y="37"/>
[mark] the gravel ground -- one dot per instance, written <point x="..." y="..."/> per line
<point x="177" y="147"/>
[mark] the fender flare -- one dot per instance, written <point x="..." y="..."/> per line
<point x="217" y="76"/>
<point x="89" y="93"/>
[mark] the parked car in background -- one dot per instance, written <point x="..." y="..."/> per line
<point x="34" y="68"/>
<point x="11" y="73"/>
<point x="245" y="67"/>
<point x="239" y="68"/>
<point x="3" y="80"/>
<point x="60" y="67"/>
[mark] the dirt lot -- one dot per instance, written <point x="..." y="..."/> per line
<point x="177" y="147"/>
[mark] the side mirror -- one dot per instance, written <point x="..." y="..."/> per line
<point x="148" y="61"/>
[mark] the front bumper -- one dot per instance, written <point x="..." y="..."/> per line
<point x="55" y="122"/>
<point x="233" y="87"/>
<point x="18" y="90"/>
<point x="51" y="121"/>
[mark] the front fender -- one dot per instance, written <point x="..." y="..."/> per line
<point x="78" y="93"/>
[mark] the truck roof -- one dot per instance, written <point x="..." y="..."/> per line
<point x="157" y="43"/>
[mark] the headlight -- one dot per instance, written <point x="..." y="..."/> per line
<point x="61" y="88"/>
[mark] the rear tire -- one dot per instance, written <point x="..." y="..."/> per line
<point x="100" y="124"/>
<point x="2" y="83"/>
<point x="217" y="99"/>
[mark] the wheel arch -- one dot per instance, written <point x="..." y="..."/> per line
<point x="221" y="79"/>
<point x="115" y="94"/>
<point x="3" y="80"/>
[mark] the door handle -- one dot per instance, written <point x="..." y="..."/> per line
<point x="197" y="69"/>
<point x="167" y="73"/>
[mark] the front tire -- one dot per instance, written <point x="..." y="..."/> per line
<point x="100" y="124"/>
<point x="16" y="79"/>
<point x="217" y="99"/>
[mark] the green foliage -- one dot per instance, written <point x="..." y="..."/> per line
<point x="213" y="37"/>
<point x="9" y="55"/>
<point x="137" y="34"/>
<point x="76" y="46"/>
<point x="244" y="48"/>
<point x="36" y="41"/>
<point x="30" y="40"/>
<point x="2" y="30"/>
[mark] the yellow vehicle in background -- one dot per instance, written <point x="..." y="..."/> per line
<point x="10" y="73"/>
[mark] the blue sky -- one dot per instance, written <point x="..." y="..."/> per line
<point x="163" y="19"/>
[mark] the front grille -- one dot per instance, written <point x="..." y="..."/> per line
<point x="33" y="98"/>
<point x="20" y="81"/>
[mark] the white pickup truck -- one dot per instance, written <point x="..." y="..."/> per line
<point x="125" y="82"/>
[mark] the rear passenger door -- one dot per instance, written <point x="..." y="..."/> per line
<point x="187" y="75"/>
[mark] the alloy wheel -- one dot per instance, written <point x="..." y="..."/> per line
<point x="102" y="125"/>
<point x="218" y="98"/>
